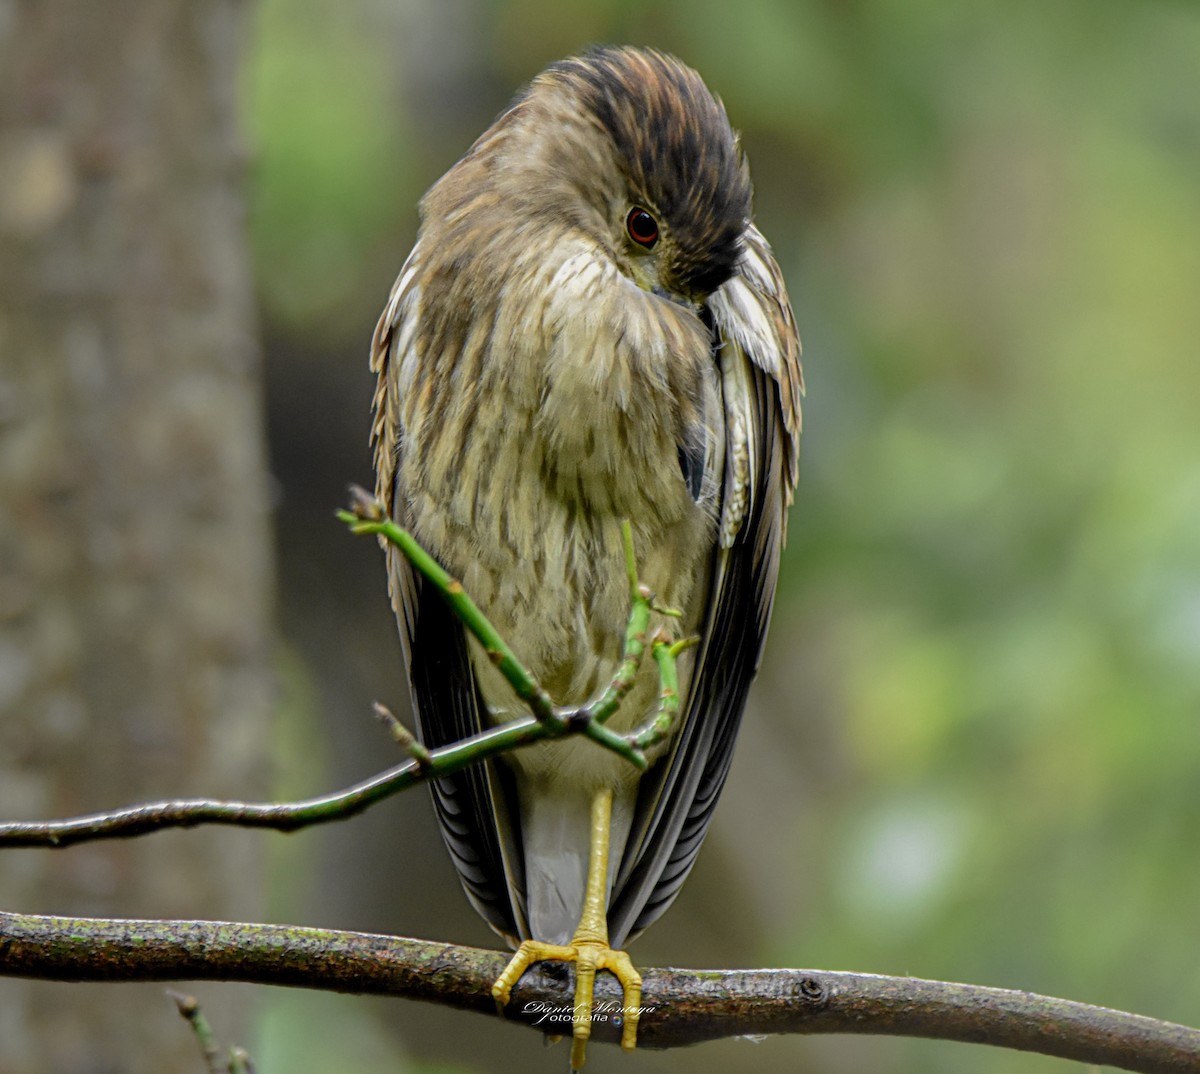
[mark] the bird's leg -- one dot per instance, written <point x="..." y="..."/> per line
<point x="588" y="949"/>
<point x="591" y="942"/>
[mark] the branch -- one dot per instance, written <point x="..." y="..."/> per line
<point x="545" y="722"/>
<point x="368" y="515"/>
<point x="239" y="1059"/>
<point x="680" y="1006"/>
<point x="280" y="816"/>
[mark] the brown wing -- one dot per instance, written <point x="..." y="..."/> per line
<point x="759" y="355"/>
<point x="446" y="701"/>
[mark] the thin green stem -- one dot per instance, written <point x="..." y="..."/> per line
<point x="635" y="637"/>
<point x="630" y="558"/>
<point x="290" y="816"/>
<point x="666" y="655"/>
<point x="618" y="743"/>
<point x="527" y="688"/>
<point x="546" y="722"/>
<point x="205" y="1037"/>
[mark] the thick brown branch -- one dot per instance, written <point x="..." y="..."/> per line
<point x="683" y="1007"/>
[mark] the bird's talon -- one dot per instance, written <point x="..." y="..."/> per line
<point x="578" y="1053"/>
<point x="501" y="1002"/>
<point x="589" y="954"/>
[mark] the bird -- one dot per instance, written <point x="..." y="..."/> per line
<point x="589" y="330"/>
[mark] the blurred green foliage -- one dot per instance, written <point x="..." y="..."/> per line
<point x="989" y="216"/>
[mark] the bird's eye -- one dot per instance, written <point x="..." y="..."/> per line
<point x="642" y="227"/>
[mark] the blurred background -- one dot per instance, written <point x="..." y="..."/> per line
<point x="973" y="751"/>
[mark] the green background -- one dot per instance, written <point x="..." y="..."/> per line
<point x="974" y="750"/>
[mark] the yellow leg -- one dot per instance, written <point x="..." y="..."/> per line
<point x="588" y="949"/>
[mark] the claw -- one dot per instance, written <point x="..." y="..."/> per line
<point x="589" y="950"/>
<point x="589" y="956"/>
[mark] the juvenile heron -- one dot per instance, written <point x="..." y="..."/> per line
<point x="589" y="329"/>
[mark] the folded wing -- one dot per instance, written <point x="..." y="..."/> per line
<point x="759" y="354"/>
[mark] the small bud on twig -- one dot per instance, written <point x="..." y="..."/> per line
<point x="402" y="735"/>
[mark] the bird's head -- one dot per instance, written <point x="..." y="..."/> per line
<point x="629" y="147"/>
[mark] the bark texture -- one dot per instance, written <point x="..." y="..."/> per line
<point x="678" y="1006"/>
<point x="135" y="558"/>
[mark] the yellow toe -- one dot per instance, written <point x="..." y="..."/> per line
<point x="589" y="957"/>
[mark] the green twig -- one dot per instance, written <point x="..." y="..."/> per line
<point x="658" y="726"/>
<point x="284" y="817"/>
<point x="640" y="600"/>
<point x="189" y="1007"/>
<point x="546" y="722"/>
<point x="369" y="517"/>
<point x="401" y="734"/>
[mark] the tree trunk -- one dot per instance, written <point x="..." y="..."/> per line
<point x="135" y="559"/>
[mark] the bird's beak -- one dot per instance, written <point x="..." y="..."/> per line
<point x="687" y="303"/>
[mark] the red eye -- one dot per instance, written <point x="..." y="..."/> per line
<point x="642" y="227"/>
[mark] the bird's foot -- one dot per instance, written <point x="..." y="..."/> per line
<point x="589" y="955"/>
